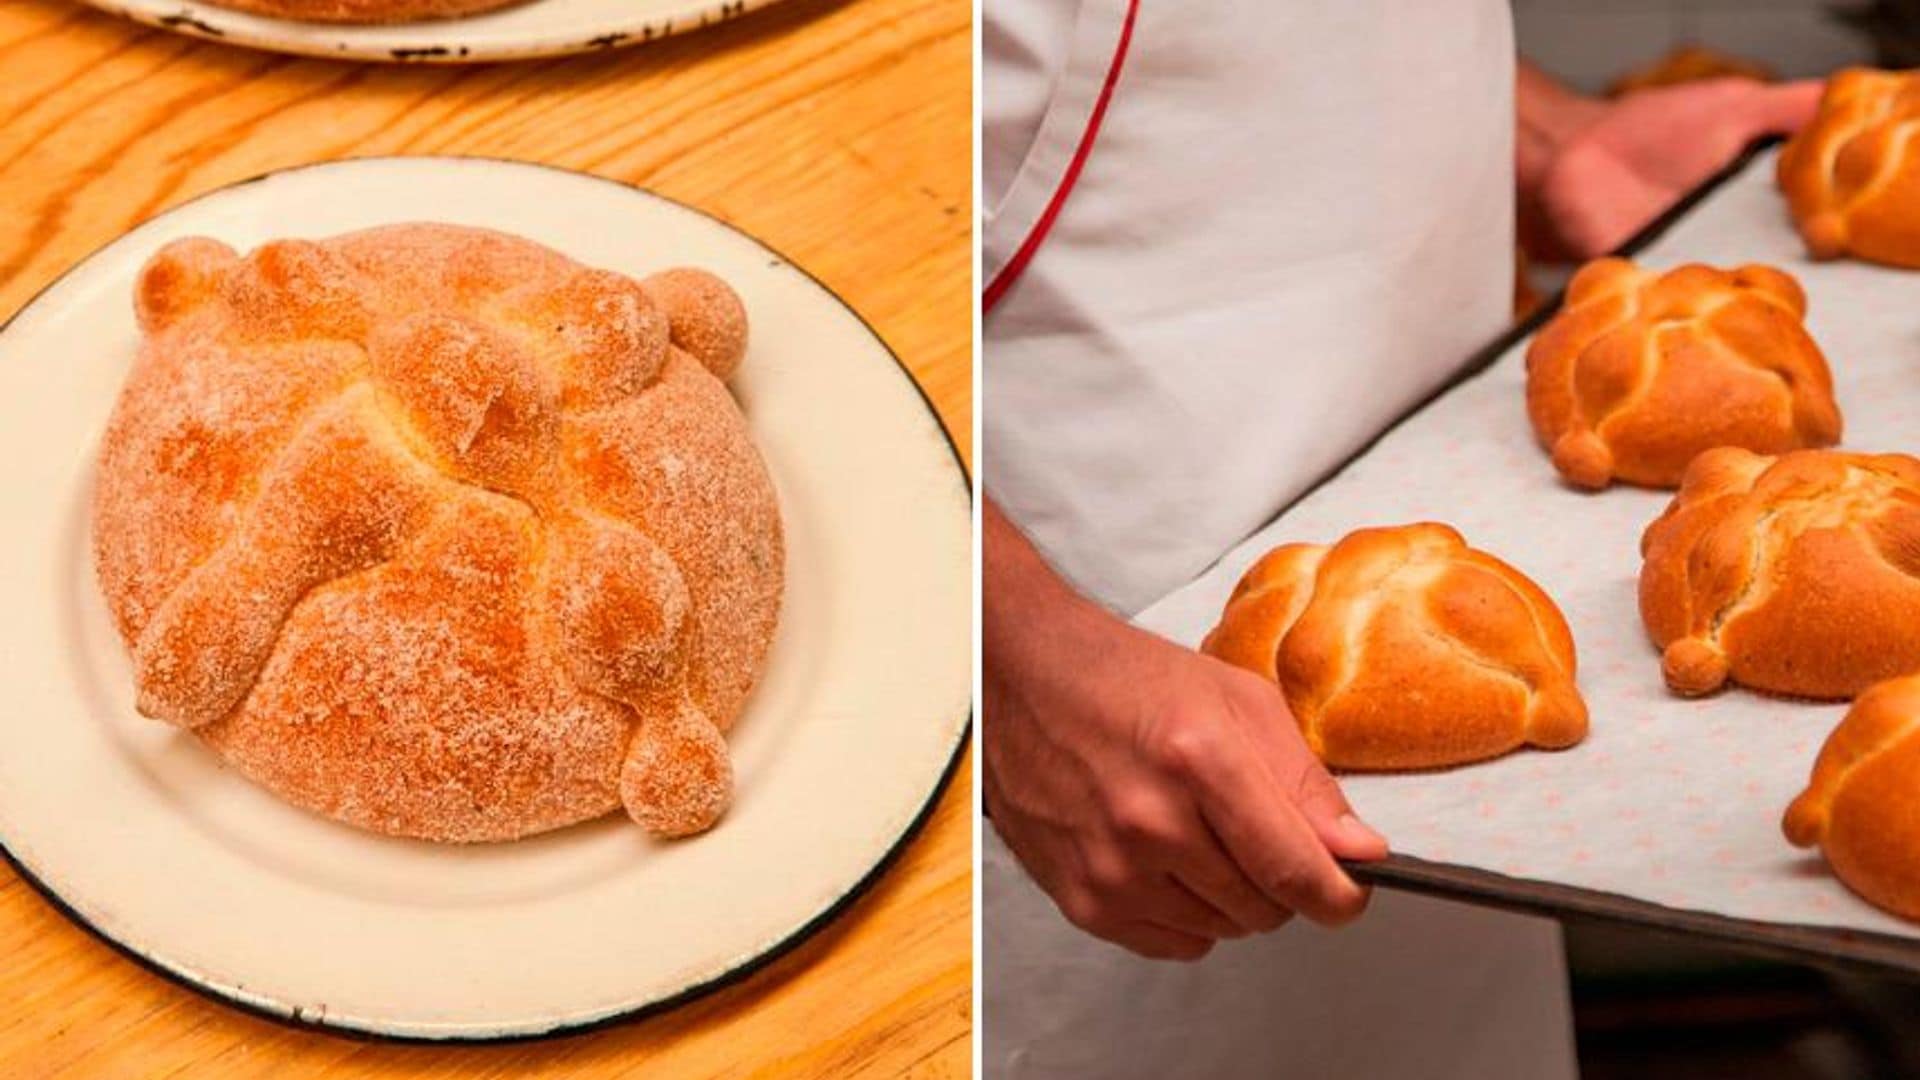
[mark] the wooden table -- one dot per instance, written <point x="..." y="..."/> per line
<point x="838" y="132"/>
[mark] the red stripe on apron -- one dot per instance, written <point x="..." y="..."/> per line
<point x="1016" y="265"/>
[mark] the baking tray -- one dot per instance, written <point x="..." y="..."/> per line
<point x="1667" y="817"/>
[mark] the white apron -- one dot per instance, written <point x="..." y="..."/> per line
<point x="1224" y="244"/>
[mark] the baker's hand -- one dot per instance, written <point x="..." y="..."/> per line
<point x="1162" y="798"/>
<point x="1616" y="165"/>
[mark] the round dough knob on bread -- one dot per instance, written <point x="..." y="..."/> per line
<point x="1852" y="175"/>
<point x="434" y="531"/>
<point x="1797" y="574"/>
<point x="1403" y="648"/>
<point x="705" y="316"/>
<point x="1859" y="807"/>
<point x="1642" y="370"/>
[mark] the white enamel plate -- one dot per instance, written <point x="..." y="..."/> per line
<point x="141" y="835"/>
<point x="530" y="29"/>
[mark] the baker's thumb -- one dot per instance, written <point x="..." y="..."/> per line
<point x="1326" y="808"/>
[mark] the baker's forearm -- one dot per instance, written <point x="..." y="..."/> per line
<point x="1024" y="604"/>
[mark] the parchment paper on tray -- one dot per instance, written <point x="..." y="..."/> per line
<point x="1669" y="801"/>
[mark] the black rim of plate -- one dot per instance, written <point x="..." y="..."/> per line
<point x="297" y="1017"/>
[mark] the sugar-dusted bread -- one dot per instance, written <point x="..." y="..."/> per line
<point x="1641" y="370"/>
<point x="1860" y="806"/>
<point x="363" y="11"/>
<point x="1797" y="574"/>
<point x="1403" y="648"/>
<point x="1852" y="175"/>
<point x="440" y="533"/>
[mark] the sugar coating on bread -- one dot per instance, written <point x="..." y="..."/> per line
<point x="1797" y="574"/>
<point x="1641" y="370"/>
<point x="1403" y="648"/>
<point x="1859" y="806"/>
<point x="1852" y="175"/>
<point x="437" y="532"/>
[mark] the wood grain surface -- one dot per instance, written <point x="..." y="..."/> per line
<point x="838" y="132"/>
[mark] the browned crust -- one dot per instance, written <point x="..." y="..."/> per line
<point x="1794" y="575"/>
<point x="364" y="11"/>
<point x="1852" y="175"/>
<point x="1641" y="371"/>
<point x="1858" y="806"/>
<point x="1403" y="648"/>
<point x="434" y="531"/>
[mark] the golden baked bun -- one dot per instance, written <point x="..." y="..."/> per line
<point x="363" y="11"/>
<point x="1859" y="807"/>
<point x="1851" y="178"/>
<point x="439" y="533"/>
<point x="1403" y="648"/>
<point x="1793" y="574"/>
<point x="1641" y="370"/>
